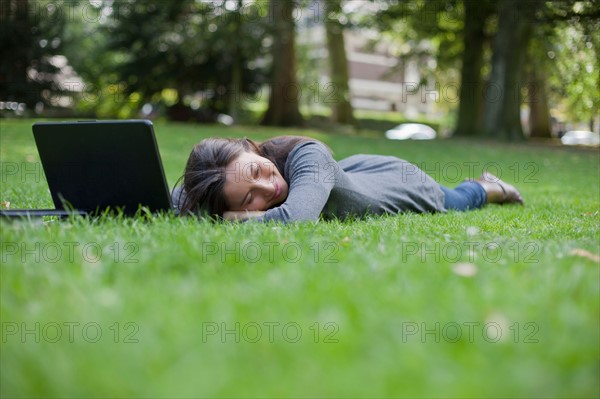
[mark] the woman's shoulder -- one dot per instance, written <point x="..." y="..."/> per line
<point x="308" y="155"/>
<point x="309" y="149"/>
<point x="310" y="145"/>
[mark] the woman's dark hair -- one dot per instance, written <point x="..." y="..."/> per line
<point x="204" y="175"/>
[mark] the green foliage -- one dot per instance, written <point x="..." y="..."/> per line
<point x="192" y="47"/>
<point x="424" y="29"/>
<point x="565" y="48"/>
<point x="575" y="63"/>
<point x="31" y="34"/>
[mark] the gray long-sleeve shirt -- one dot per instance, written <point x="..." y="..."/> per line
<point x="355" y="186"/>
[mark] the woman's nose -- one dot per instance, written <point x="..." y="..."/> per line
<point x="265" y="185"/>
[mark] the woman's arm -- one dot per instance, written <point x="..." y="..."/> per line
<point x="242" y="215"/>
<point x="312" y="174"/>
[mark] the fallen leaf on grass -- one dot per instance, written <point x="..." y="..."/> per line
<point x="585" y="254"/>
<point x="590" y="214"/>
<point x="465" y="269"/>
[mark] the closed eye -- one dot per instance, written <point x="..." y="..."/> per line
<point x="247" y="198"/>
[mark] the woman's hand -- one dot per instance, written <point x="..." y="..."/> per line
<point x="242" y="215"/>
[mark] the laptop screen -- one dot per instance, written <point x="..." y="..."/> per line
<point x="93" y="165"/>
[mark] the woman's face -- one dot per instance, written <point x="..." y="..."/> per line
<point x="253" y="183"/>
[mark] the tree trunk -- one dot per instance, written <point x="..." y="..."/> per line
<point x="502" y="99"/>
<point x="539" y="112"/>
<point x="470" y="107"/>
<point x="235" y="88"/>
<point x="341" y="108"/>
<point x="285" y="92"/>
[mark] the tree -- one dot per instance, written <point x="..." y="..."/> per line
<point x="502" y="115"/>
<point x="528" y="28"/>
<point x="572" y="58"/>
<point x="193" y="48"/>
<point x="234" y="105"/>
<point x="341" y="108"/>
<point x="30" y="35"/>
<point x="537" y="93"/>
<point x="283" y="109"/>
<point x="470" y="109"/>
<point x="539" y="111"/>
<point x="550" y="47"/>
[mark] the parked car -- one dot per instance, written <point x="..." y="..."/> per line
<point x="580" y="137"/>
<point x="411" y="131"/>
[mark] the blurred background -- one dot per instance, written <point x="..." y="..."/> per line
<point x="509" y="69"/>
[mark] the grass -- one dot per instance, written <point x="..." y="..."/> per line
<point x="163" y="307"/>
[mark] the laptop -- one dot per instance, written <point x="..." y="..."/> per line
<point x="97" y="166"/>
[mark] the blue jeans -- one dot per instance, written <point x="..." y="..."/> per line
<point x="466" y="196"/>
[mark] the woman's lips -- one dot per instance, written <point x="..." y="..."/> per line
<point x="277" y="191"/>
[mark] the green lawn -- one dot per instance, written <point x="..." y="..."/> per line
<point x="499" y="302"/>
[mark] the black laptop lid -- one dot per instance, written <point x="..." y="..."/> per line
<point x="99" y="164"/>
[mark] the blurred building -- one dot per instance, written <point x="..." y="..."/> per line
<point x="381" y="82"/>
<point x="378" y="81"/>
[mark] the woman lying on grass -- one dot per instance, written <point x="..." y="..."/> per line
<point x="292" y="178"/>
